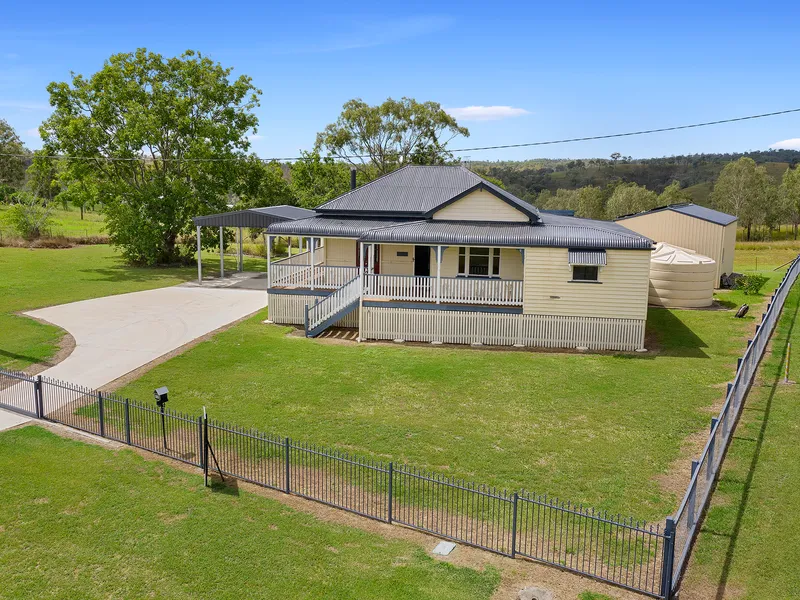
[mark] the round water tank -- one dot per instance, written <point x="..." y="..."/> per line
<point x="681" y="278"/>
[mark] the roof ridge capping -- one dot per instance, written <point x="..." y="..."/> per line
<point x="689" y="209"/>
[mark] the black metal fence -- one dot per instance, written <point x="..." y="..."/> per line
<point x="622" y="551"/>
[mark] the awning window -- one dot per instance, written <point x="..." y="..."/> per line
<point x="593" y="258"/>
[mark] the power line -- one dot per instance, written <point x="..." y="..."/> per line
<point x="456" y="151"/>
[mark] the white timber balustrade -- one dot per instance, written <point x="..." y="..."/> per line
<point x="455" y="290"/>
<point x="319" y="315"/>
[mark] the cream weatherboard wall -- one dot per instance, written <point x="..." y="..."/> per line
<point x="620" y="294"/>
<point x="480" y="205"/>
<point x="340" y="252"/>
<point x="397" y="259"/>
<point x="704" y="237"/>
<point x="510" y="263"/>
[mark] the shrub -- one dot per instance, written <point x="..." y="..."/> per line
<point x="28" y="216"/>
<point x="750" y="284"/>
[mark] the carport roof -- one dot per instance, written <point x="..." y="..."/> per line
<point x="254" y="217"/>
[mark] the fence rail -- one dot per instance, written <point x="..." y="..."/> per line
<point x="458" y="290"/>
<point x="631" y="554"/>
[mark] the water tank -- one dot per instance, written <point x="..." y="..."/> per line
<point x="681" y="278"/>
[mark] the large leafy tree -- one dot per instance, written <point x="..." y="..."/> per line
<point x="316" y="179"/>
<point x="629" y="198"/>
<point x="398" y="132"/>
<point x="162" y="139"/>
<point x="790" y="193"/>
<point x="13" y="160"/>
<point x="673" y="194"/>
<point x="262" y="184"/>
<point x="742" y="189"/>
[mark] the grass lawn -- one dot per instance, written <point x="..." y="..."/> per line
<point x="749" y="543"/>
<point x="114" y="525"/>
<point x="596" y="428"/>
<point x="66" y="223"/>
<point x="33" y="278"/>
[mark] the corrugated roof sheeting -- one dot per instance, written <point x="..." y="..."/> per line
<point x="691" y="210"/>
<point x="332" y="226"/>
<point x="579" y="234"/>
<point x="253" y="217"/>
<point x="416" y="190"/>
<point x="587" y="257"/>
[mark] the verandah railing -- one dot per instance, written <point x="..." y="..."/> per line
<point x="628" y="553"/>
<point x="518" y="524"/>
<point x="457" y="290"/>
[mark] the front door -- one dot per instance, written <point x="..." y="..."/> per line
<point x="376" y="264"/>
<point x="422" y="261"/>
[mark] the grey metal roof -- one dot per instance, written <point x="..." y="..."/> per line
<point x="557" y="231"/>
<point x="417" y="190"/>
<point x="331" y="226"/>
<point x="587" y="257"/>
<point x="691" y="210"/>
<point x="254" y="217"/>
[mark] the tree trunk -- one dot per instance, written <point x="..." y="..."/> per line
<point x="81" y="212"/>
<point x="749" y="227"/>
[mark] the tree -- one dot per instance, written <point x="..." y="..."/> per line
<point x="29" y="216"/>
<point x="673" y="194"/>
<point x="741" y="189"/>
<point x="263" y="184"/>
<point x="165" y="137"/>
<point x="591" y="203"/>
<point x="43" y="176"/>
<point x="629" y="198"/>
<point x="315" y="179"/>
<point x="790" y="193"/>
<point x="12" y="168"/>
<point x="392" y="134"/>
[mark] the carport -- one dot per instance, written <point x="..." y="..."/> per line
<point x="258" y="218"/>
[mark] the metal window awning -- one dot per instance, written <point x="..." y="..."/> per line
<point x="590" y="258"/>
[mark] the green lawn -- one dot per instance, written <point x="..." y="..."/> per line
<point x="596" y="428"/>
<point x="81" y="521"/>
<point x="749" y="543"/>
<point x="66" y="223"/>
<point x="33" y="278"/>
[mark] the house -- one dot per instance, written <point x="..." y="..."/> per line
<point x="438" y="254"/>
<point x="703" y="230"/>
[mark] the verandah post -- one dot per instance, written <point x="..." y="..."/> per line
<point x="389" y="506"/>
<point x="668" y="559"/>
<point x="101" y="411"/>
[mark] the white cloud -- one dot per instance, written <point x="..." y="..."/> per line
<point x="24" y="105"/>
<point x="486" y="113"/>
<point x="33" y="132"/>
<point x="790" y="144"/>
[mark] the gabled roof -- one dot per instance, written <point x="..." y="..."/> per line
<point x="254" y="217"/>
<point x="418" y="191"/>
<point x="690" y="210"/>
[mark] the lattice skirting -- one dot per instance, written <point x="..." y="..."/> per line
<point x="289" y="309"/>
<point x="548" y="331"/>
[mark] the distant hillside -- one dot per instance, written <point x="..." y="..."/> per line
<point x="696" y="172"/>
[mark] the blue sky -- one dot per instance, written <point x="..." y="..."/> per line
<point x="546" y="71"/>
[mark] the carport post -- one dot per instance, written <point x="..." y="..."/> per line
<point x="199" y="258"/>
<point x="222" y="252"/>
<point x="240" y="263"/>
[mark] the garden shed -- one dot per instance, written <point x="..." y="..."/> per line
<point x="700" y="229"/>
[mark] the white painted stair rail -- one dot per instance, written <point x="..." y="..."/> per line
<point x="325" y="312"/>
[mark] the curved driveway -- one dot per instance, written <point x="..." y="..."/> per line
<point x="117" y="334"/>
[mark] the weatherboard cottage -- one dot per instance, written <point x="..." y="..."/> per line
<point x="441" y="255"/>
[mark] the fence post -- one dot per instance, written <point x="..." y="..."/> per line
<point x="205" y="447"/>
<point x="101" y="411"/>
<point x="288" y="487"/>
<point x="668" y="559"/>
<point x="515" y="500"/>
<point x="710" y="467"/>
<point x="37" y="397"/>
<point x="128" y="421"/>
<point x="389" y="507"/>
<point x="692" y="497"/>
<point x="200" y="445"/>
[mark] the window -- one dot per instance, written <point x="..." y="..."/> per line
<point x="584" y="273"/>
<point x="478" y="262"/>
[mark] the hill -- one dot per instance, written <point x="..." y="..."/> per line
<point x="696" y="172"/>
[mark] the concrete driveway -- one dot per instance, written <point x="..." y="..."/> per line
<point x="117" y="334"/>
